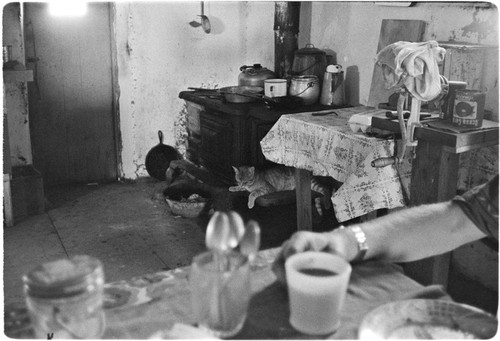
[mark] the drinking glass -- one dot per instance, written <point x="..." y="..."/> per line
<point x="220" y="292"/>
<point x="317" y="285"/>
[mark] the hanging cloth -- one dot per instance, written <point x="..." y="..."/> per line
<point x="413" y="66"/>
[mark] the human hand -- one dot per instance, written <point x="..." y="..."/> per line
<point x="302" y="241"/>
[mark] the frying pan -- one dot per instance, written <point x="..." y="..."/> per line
<point x="247" y="94"/>
<point x="159" y="157"/>
<point x="237" y="94"/>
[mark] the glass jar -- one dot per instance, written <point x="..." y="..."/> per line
<point x="65" y="298"/>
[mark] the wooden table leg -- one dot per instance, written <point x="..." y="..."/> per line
<point x="434" y="179"/>
<point x="303" y="195"/>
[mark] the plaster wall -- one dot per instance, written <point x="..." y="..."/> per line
<point x="350" y="31"/>
<point x="159" y="54"/>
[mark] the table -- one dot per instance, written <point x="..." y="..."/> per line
<point x="143" y="306"/>
<point x="326" y="146"/>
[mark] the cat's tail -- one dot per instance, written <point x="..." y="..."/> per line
<point x="324" y="201"/>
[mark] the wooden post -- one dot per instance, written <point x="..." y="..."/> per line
<point x="286" y="32"/>
<point x="303" y="196"/>
<point x="7" y="176"/>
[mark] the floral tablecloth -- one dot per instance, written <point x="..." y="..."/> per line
<point x="326" y="146"/>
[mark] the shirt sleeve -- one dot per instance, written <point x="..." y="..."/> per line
<point x="480" y="204"/>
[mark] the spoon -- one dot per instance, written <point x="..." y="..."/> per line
<point x="236" y="229"/>
<point x="250" y="243"/>
<point x="217" y="235"/>
<point x="205" y="22"/>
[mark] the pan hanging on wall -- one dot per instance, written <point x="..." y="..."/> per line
<point x="159" y="157"/>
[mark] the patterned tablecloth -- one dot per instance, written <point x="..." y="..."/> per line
<point x="326" y="146"/>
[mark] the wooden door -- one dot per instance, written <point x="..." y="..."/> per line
<point x="72" y="118"/>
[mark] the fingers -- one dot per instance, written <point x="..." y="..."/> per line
<point x="299" y="242"/>
<point x="304" y="241"/>
<point x="278" y="268"/>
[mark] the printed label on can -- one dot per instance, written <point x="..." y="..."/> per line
<point x="469" y="108"/>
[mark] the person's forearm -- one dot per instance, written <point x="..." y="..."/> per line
<point x="419" y="232"/>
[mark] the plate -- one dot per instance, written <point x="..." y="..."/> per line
<point x="427" y="319"/>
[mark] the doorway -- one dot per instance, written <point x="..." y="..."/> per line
<point x="73" y="122"/>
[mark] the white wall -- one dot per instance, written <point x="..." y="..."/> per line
<point x="160" y="54"/>
<point x="351" y="30"/>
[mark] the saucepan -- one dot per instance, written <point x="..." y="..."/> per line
<point x="238" y="94"/>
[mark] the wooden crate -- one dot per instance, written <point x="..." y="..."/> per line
<point x="27" y="192"/>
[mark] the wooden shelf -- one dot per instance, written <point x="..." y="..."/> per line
<point x="12" y="76"/>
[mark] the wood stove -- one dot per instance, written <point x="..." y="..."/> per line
<point x="221" y="135"/>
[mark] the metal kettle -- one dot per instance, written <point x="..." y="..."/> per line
<point x="332" y="91"/>
<point x="254" y="75"/>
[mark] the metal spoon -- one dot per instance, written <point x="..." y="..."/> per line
<point x="250" y="243"/>
<point x="236" y="229"/>
<point x="217" y="235"/>
<point x="205" y="22"/>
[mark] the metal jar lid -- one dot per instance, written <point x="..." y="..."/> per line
<point x="64" y="278"/>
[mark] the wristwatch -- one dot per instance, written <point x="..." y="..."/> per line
<point x="360" y="236"/>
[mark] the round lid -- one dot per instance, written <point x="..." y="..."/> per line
<point x="305" y="78"/>
<point x="64" y="277"/>
<point x="309" y="49"/>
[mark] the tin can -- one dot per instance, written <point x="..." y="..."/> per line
<point x="449" y="100"/>
<point x="65" y="298"/>
<point x="469" y="108"/>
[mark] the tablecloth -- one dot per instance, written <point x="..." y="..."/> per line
<point x="326" y="146"/>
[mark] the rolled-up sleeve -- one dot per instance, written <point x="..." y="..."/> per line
<point x="480" y="204"/>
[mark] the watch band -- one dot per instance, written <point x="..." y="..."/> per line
<point x="360" y="236"/>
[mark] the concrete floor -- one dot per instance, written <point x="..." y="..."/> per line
<point x="130" y="228"/>
<point x="127" y="226"/>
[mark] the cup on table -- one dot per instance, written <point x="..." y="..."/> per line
<point x="275" y="87"/>
<point x="220" y="292"/>
<point x="317" y="285"/>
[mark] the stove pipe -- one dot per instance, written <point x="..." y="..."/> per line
<point x="286" y="31"/>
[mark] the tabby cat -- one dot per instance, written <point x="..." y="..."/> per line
<point x="279" y="178"/>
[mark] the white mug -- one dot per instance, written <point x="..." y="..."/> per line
<point x="275" y="87"/>
<point x="317" y="286"/>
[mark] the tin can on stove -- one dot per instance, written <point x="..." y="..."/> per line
<point x="468" y="109"/>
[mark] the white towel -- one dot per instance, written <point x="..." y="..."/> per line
<point x="413" y="65"/>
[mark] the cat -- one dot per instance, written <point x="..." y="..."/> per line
<point x="275" y="179"/>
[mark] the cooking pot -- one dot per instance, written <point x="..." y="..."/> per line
<point x="306" y="87"/>
<point x="254" y="75"/>
<point x="309" y="61"/>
